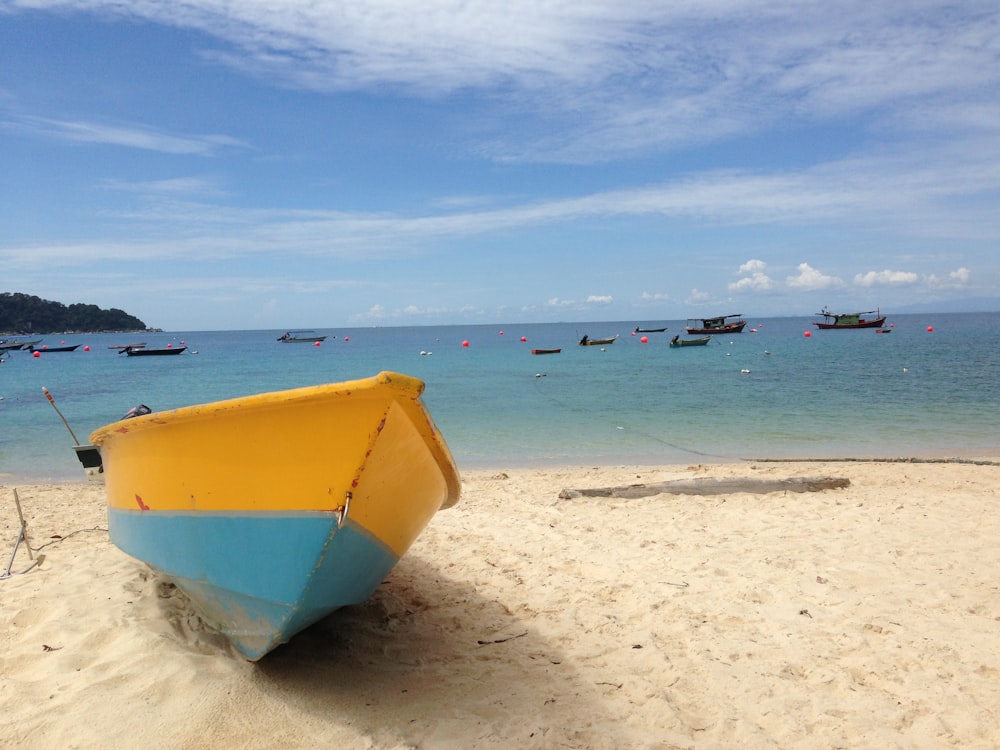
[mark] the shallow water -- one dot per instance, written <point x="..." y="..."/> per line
<point x="831" y="394"/>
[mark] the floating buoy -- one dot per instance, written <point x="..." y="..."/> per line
<point x="346" y="339"/>
<point x="36" y="354"/>
<point x="501" y="333"/>
<point x="644" y="339"/>
<point x="465" y="344"/>
<point x="807" y="334"/>
<point x="86" y="348"/>
<point x="930" y="329"/>
<point x="524" y="338"/>
<point x="744" y="371"/>
<point x="316" y="343"/>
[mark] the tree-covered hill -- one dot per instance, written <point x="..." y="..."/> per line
<point x="24" y="313"/>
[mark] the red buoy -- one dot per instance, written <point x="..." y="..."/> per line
<point x="465" y="344"/>
<point x="644" y="339"/>
<point x="807" y="334"/>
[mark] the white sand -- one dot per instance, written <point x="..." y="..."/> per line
<point x="862" y="617"/>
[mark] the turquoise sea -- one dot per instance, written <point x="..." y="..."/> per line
<point x="770" y="393"/>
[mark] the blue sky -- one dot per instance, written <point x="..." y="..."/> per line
<point x="217" y="165"/>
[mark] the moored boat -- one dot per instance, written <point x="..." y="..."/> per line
<point x="587" y="341"/>
<point x="546" y="351"/>
<point x="270" y="511"/>
<point x="720" y="324"/>
<point x="69" y="348"/>
<point x="677" y="341"/>
<point x="649" y="330"/>
<point x="847" y="321"/>
<point x="300" y="337"/>
<point x="143" y="351"/>
<point x="13" y="344"/>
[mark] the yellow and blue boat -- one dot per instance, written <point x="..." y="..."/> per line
<point x="270" y="511"/>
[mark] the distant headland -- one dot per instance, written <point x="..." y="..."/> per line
<point x="24" y="313"/>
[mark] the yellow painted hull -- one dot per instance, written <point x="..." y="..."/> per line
<point x="358" y="468"/>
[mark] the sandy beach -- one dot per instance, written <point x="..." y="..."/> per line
<point x="861" y="616"/>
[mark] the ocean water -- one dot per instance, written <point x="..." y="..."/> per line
<point x="772" y="393"/>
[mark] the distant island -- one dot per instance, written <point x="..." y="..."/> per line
<point x="24" y="313"/>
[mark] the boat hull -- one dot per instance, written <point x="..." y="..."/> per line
<point x="690" y="342"/>
<point x="144" y="352"/>
<point x="272" y="511"/>
<point x="546" y="351"/>
<point x="876" y="323"/>
<point x="727" y="328"/>
<point x="598" y="342"/>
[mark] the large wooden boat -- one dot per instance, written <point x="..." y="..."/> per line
<point x="721" y="324"/>
<point x="270" y="511"/>
<point x="587" y="341"/>
<point x="846" y="321"/>
<point x="677" y="341"/>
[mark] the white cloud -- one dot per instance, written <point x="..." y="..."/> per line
<point x="556" y="302"/>
<point x="758" y="282"/>
<point x="886" y="278"/>
<point x="600" y="299"/>
<point x="957" y="278"/>
<point x="753" y="266"/>
<point x="126" y="135"/>
<point x="810" y="279"/>
<point x="610" y="77"/>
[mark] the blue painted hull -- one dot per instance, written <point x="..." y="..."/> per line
<point x="258" y="577"/>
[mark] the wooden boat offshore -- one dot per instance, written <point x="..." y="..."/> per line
<point x="271" y="511"/>
<point x="677" y="341"/>
<point x="849" y="321"/>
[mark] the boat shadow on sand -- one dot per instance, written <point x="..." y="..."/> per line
<point x="426" y="658"/>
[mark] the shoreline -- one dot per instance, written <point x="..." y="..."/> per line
<point x="850" y="617"/>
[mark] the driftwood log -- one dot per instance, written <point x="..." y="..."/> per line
<point x="708" y="486"/>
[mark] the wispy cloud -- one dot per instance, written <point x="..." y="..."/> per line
<point x="126" y="136"/>
<point x="606" y="77"/>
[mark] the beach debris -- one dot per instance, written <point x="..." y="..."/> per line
<point x="710" y="486"/>
<point x="501" y="640"/>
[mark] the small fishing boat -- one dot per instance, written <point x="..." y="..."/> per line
<point x="677" y="341"/>
<point x="649" y="330"/>
<point x="138" y="345"/>
<point x="300" y="337"/>
<point x="849" y="321"/>
<point x="13" y="344"/>
<point x="546" y="351"/>
<point x="883" y="330"/>
<point x="587" y="341"/>
<point x="70" y="348"/>
<point x="721" y="324"/>
<point x="143" y="351"/>
<point x="272" y="510"/>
